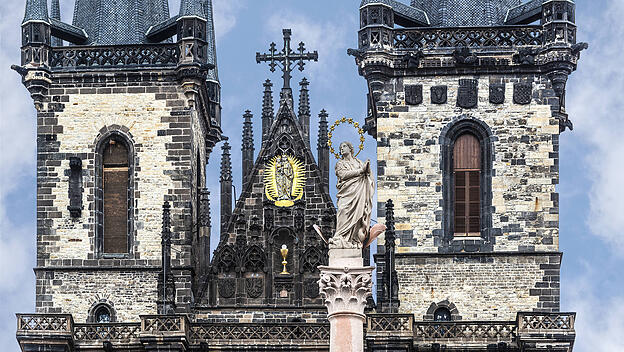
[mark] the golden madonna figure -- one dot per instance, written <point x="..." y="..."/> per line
<point x="354" y="200"/>
<point x="284" y="176"/>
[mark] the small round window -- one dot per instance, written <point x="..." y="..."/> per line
<point x="442" y="314"/>
<point x="102" y="315"/>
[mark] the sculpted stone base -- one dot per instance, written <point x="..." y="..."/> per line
<point x="345" y="285"/>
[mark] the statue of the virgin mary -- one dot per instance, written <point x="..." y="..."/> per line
<point x="355" y="200"/>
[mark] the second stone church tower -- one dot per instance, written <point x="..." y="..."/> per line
<point x="468" y="102"/>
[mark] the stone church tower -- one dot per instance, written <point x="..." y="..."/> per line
<point x="468" y="102"/>
<point x="126" y="120"/>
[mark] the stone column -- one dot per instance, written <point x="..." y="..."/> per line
<point x="345" y="285"/>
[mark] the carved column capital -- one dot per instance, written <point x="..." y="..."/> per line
<point x="345" y="290"/>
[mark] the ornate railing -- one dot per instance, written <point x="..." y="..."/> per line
<point x="378" y="326"/>
<point x="106" y="332"/>
<point x="164" y="324"/>
<point x="114" y="56"/>
<point x="472" y="331"/>
<point x="390" y="323"/>
<point x="433" y="38"/>
<point x="250" y="331"/>
<point x="452" y="37"/>
<point x="47" y="323"/>
<point x="546" y="321"/>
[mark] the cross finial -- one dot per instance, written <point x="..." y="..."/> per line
<point x="285" y="58"/>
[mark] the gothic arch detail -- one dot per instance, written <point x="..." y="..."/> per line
<point x="102" y="311"/>
<point x="446" y="304"/>
<point x="114" y="192"/>
<point x="461" y="126"/>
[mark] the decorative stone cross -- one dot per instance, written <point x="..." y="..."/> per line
<point x="285" y="58"/>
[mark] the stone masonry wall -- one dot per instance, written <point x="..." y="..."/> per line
<point x="149" y="108"/>
<point x="130" y="292"/>
<point x="482" y="287"/>
<point x="524" y="166"/>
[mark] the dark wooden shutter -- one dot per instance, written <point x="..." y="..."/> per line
<point x="116" y="182"/>
<point x="467" y="192"/>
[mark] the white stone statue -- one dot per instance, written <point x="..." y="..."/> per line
<point x="355" y="200"/>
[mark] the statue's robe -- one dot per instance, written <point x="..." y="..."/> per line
<point x="355" y="204"/>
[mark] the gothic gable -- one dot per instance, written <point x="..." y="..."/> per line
<point x="281" y="200"/>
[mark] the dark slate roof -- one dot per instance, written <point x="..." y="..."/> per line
<point x="525" y="13"/>
<point x="110" y="22"/>
<point x="36" y="10"/>
<point x="55" y="13"/>
<point x="210" y="37"/>
<point x="68" y="32"/>
<point x="191" y="8"/>
<point x="408" y="14"/>
<point x="453" y="13"/>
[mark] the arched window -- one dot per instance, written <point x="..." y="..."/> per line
<point x="442" y="314"/>
<point x="102" y="314"/>
<point x="466" y="160"/>
<point x="442" y="311"/>
<point x="102" y="311"/>
<point x="114" y="195"/>
<point x="115" y="188"/>
<point x="467" y="189"/>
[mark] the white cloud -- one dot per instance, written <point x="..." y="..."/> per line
<point x="595" y="106"/>
<point x="225" y="15"/>
<point x="599" y="321"/>
<point x="329" y="38"/>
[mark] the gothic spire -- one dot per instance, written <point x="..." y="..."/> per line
<point x="55" y="13"/>
<point x="248" y="147"/>
<point x="390" y="301"/>
<point x="192" y="8"/>
<point x="226" y="186"/>
<point x="267" y="110"/>
<point x="210" y="38"/>
<point x="36" y="10"/>
<point x="304" y="110"/>
<point x="323" y="149"/>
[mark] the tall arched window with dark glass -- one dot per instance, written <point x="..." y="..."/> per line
<point x="115" y="200"/>
<point x="467" y="185"/>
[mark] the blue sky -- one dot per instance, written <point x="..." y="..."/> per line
<point x="591" y="159"/>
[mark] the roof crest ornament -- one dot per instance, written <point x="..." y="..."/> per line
<point x="285" y="58"/>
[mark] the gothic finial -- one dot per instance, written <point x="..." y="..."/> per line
<point x="304" y="109"/>
<point x="248" y="146"/>
<point x="36" y="10"/>
<point x="226" y="187"/>
<point x="322" y="132"/>
<point x="204" y="207"/>
<point x="390" y="235"/>
<point x="166" y="223"/>
<point x="247" y="130"/>
<point x="226" y="163"/>
<point x="390" y="302"/>
<point x="304" y="98"/>
<point x="323" y="149"/>
<point x="267" y="110"/>
<point x="287" y="57"/>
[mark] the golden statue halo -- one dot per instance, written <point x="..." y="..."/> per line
<point x="336" y="124"/>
